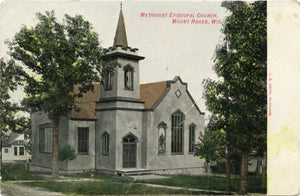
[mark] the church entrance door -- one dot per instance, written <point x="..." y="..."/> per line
<point x="129" y="151"/>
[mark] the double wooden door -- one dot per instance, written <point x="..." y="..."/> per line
<point x="129" y="152"/>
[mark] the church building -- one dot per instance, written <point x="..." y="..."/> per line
<point x="123" y="126"/>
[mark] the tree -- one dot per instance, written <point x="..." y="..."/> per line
<point x="59" y="56"/>
<point x="11" y="76"/>
<point x="239" y="97"/>
<point x="211" y="147"/>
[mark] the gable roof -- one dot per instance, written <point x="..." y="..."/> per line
<point x="13" y="138"/>
<point x="86" y="104"/>
<point x="151" y="94"/>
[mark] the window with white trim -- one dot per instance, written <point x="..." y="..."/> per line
<point x="21" y="151"/>
<point x="16" y="151"/>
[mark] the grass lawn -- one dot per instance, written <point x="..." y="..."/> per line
<point x="113" y="185"/>
<point x="215" y="182"/>
<point x="12" y="172"/>
<point x="107" y="189"/>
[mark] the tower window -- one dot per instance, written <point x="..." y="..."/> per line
<point x="177" y="132"/>
<point x="108" y="80"/>
<point x="128" y="77"/>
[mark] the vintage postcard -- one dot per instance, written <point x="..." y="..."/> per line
<point x="149" y="97"/>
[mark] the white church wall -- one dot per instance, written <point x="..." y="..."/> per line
<point x="106" y="121"/>
<point x="175" y="163"/>
<point x="128" y="121"/>
<point x="42" y="160"/>
<point x="83" y="161"/>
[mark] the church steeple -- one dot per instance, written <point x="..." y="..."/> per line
<point x="123" y="81"/>
<point x="120" y="36"/>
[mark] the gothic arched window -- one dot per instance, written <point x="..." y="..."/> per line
<point x="192" y="128"/>
<point x="128" y="77"/>
<point x="162" y="126"/>
<point x="177" y="132"/>
<point x="105" y="143"/>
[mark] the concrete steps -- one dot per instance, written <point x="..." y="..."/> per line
<point x="133" y="172"/>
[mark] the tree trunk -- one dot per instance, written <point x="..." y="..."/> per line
<point x="258" y="164"/>
<point x="54" y="158"/>
<point x="228" y="172"/>
<point x="264" y="176"/>
<point x="0" y="158"/>
<point x="244" y="174"/>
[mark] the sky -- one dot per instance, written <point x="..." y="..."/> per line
<point x="170" y="49"/>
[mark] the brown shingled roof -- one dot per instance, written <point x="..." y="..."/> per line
<point x="152" y="93"/>
<point x="87" y="104"/>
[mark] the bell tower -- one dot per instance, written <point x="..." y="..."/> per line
<point x="119" y="111"/>
<point x="122" y="81"/>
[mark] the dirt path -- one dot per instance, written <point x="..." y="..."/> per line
<point x="13" y="189"/>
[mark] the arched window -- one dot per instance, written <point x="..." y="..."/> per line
<point x="105" y="143"/>
<point x="162" y="126"/>
<point x="192" y="128"/>
<point x="177" y="132"/>
<point x="108" y="80"/>
<point x="128" y="77"/>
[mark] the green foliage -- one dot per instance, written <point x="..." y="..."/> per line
<point x="11" y="76"/>
<point x="212" y="147"/>
<point x="66" y="153"/>
<point x="239" y="98"/>
<point x="58" y="56"/>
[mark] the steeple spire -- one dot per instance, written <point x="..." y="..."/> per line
<point x="120" y="36"/>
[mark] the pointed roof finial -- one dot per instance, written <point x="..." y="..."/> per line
<point x="120" y="36"/>
<point x="121" y="4"/>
